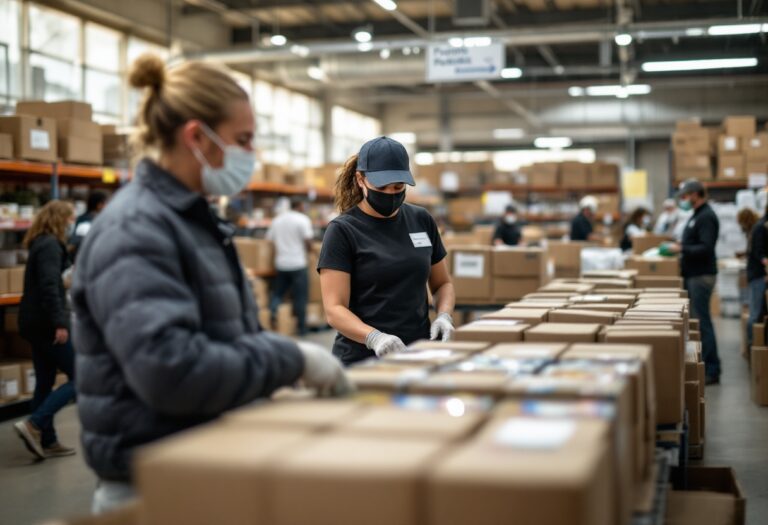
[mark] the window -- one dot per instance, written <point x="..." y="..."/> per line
<point x="350" y="131"/>
<point x="10" y="63"/>
<point x="103" y="79"/>
<point x="54" y="43"/>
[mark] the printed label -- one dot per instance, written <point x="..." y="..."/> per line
<point x="39" y="139"/>
<point x="729" y="172"/>
<point x="730" y="143"/>
<point x="10" y="388"/>
<point x="420" y="240"/>
<point x="471" y="265"/>
<point x="31" y="381"/>
<point x="532" y="433"/>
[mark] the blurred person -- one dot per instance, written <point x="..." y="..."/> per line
<point x="746" y="219"/>
<point x="166" y="328"/>
<point x="96" y="202"/>
<point x="667" y="219"/>
<point x="44" y="321"/>
<point x="582" y="228"/>
<point x="637" y="224"/>
<point x="508" y="231"/>
<point x="757" y="258"/>
<point x="291" y="232"/>
<point x="698" y="265"/>
<point x="379" y="256"/>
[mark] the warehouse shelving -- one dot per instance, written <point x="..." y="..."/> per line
<point x="520" y="188"/>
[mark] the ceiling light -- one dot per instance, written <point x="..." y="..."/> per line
<point x="416" y="50"/>
<point x="424" y="159"/>
<point x="508" y="133"/>
<point x="695" y="31"/>
<point x="559" y="70"/>
<point x="301" y="51"/>
<point x="576" y="91"/>
<point x="404" y="137"/>
<point x="692" y="65"/>
<point x="389" y="5"/>
<point x="364" y="47"/>
<point x="316" y="73"/>
<point x="477" y="41"/>
<point x="278" y="40"/>
<point x="362" y="35"/>
<point x="736" y="29"/>
<point x="765" y="28"/>
<point x="456" y="42"/>
<point x="623" y="39"/>
<point x="511" y="72"/>
<point x="385" y="53"/>
<point x="406" y="51"/>
<point x="552" y="142"/>
<point x="622" y="93"/>
<point x="618" y="91"/>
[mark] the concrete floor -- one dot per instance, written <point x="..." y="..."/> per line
<point x="31" y="492"/>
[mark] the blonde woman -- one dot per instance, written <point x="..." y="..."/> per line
<point x="166" y="329"/>
<point x="44" y="321"/>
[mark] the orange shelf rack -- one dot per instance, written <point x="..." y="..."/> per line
<point x="70" y="171"/>
<point x="10" y="299"/>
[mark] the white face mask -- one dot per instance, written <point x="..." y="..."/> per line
<point x="510" y="219"/>
<point x="646" y="221"/>
<point x="233" y="175"/>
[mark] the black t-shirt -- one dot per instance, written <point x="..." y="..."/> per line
<point x="509" y="234"/>
<point x="581" y="228"/>
<point x="389" y="262"/>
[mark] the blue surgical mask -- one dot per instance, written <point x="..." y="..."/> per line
<point x="235" y="172"/>
<point x="685" y="205"/>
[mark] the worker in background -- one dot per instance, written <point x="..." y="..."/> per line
<point x="665" y="223"/>
<point x="378" y="258"/>
<point x="291" y="232"/>
<point x="508" y="231"/>
<point x="44" y="321"/>
<point x="698" y="265"/>
<point x="581" y="225"/>
<point x="96" y="202"/>
<point x="166" y="329"/>
<point x="757" y="257"/>
<point x="637" y="224"/>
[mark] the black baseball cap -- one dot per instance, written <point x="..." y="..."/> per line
<point x="384" y="161"/>
<point x="690" y="186"/>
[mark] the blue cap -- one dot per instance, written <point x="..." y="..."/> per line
<point x="384" y="161"/>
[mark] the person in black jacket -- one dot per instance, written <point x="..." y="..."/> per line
<point x="582" y="228"/>
<point x="44" y="322"/>
<point x="166" y="327"/>
<point x="507" y="231"/>
<point x="698" y="265"/>
<point x="757" y="256"/>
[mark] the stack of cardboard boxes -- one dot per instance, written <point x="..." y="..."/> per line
<point x="735" y="142"/>
<point x="578" y="176"/>
<point x="692" y="147"/>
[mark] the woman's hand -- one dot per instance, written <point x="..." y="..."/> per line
<point x="442" y="327"/>
<point x="323" y="372"/>
<point x="61" y="337"/>
<point x="383" y="344"/>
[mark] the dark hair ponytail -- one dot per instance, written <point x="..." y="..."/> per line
<point x="347" y="193"/>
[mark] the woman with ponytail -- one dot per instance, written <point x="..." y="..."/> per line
<point x="378" y="258"/>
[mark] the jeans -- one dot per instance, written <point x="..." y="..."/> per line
<point x="46" y="402"/>
<point x="756" y="289"/>
<point x="297" y="282"/>
<point x="111" y="495"/>
<point x="700" y="292"/>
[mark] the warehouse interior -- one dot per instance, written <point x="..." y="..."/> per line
<point x="572" y="376"/>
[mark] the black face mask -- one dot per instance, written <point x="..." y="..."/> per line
<point x="385" y="203"/>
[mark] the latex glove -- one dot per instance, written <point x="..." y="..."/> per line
<point x="442" y="327"/>
<point x="323" y="372"/>
<point x="383" y="344"/>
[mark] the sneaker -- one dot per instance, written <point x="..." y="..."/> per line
<point x="31" y="438"/>
<point x="57" y="450"/>
<point x="712" y="380"/>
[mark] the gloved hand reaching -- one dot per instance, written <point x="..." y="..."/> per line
<point x="442" y="327"/>
<point x="322" y="371"/>
<point x="383" y="344"/>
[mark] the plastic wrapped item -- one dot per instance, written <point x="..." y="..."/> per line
<point x="746" y="199"/>
<point x="597" y="259"/>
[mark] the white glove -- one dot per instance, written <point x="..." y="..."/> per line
<point x="384" y="344"/>
<point x="442" y="327"/>
<point x="322" y="371"/>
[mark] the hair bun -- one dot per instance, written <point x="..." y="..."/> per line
<point x="147" y="71"/>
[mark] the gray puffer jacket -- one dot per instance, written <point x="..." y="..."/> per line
<point x="166" y="329"/>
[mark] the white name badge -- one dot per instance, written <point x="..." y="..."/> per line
<point x="420" y="240"/>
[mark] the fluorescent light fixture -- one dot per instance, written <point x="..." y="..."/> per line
<point x="576" y="91"/>
<point x="618" y="91"/>
<point x="385" y="53"/>
<point x="278" y="40"/>
<point x="389" y="5"/>
<point x="693" y="65"/>
<point x="508" y="133"/>
<point x="404" y="137"/>
<point x="316" y="73"/>
<point x="406" y="51"/>
<point x="695" y="31"/>
<point x="477" y="41"/>
<point x="623" y="39"/>
<point x="362" y="35"/>
<point x="454" y="156"/>
<point x="735" y="29"/>
<point x="416" y="50"/>
<point x="765" y="28"/>
<point x="301" y="51"/>
<point x="559" y="70"/>
<point x="511" y="72"/>
<point x="456" y="42"/>
<point x="364" y="47"/>
<point x="424" y="159"/>
<point x="552" y="142"/>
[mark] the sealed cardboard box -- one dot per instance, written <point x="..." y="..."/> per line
<point x="690" y="124"/>
<point x="618" y="308"/>
<point x="5" y="280"/>
<point x="531" y="316"/>
<point x="84" y="129"/>
<point x="582" y="316"/>
<point x="306" y="415"/>
<point x="10" y="382"/>
<point x="66" y="109"/>
<point x="471" y="271"/>
<point x="756" y="149"/>
<point x="574" y="175"/>
<point x="511" y="288"/>
<point x="16" y="279"/>
<point x="526" y="470"/>
<point x="379" y="488"/>
<point x="658" y="281"/>
<point x="654" y="266"/>
<point x="6" y="146"/>
<point x="214" y="474"/>
<point x="603" y="174"/>
<point x="492" y="331"/>
<point x="563" y="333"/>
<point x="456" y="381"/>
<point x="731" y="166"/>
<point x="686" y="161"/>
<point x="729" y="145"/>
<point x="538" y="304"/>
<point x="741" y="126"/>
<point x="386" y="377"/>
<point x="756" y="168"/>
<point x="544" y="175"/>
<point x="256" y="254"/>
<point x="759" y="361"/>
<point x="645" y="242"/>
<point x="545" y="351"/>
<point x="467" y="348"/>
<point x="691" y="141"/>
<point x="566" y="254"/>
<point x="431" y="356"/>
<point x="34" y="138"/>
<point x="702" y="174"/>
<point x="81" y="151"/>
<point x="559" y="286"/>
<point x="518" y="262"/>
<point x="603" y="298"/>
<point x="692" y="400"/>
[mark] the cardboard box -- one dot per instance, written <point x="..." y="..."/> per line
<point x="654" y="266"/>
<point x="759" y="361"/>
<point x="544" y="175"/>
<point x="582" y="316"/>
<point x="16" y="279"/>
<point x="731" y="167"/>
<point x="692" y="401"/>
<point x="741" y="126"/>
<point x="522" y="351"/>
<point x="511" y="288"/>
<point x="688" y="161"/>
<point x="81" y="151"/>
<point x="380" y="489"/>
<point x="10" y="382"/>
<point x="645" y="242"/>
<point x="530" y="316"/>
<point x="498" y="478"/>
<point x="34" y="138"/>
<point x="603" y="298"/>
<point x="310" y="415"/>
<point x="491" y="331"/>
<point x="467" y="348"/>
<point x="756" y="168"/>
<point x="729" y="145"/>
<point x="691" y="141"/>
<point x="518" y="262"/>
<point x="668" y="368"/>
<point x="574" y="175"/>
<point x="257" y="255"/>
<point x="756" y="149"/>
<point x="599" y="307"/>
<point x="711" y="494"/>
<point x="83" y="129"/>
<point x="374" y="376"/>
<point x="27" y="378"/>
<point x="471" y="272"/>
<point x="6" y="146"/>
<point x="66" y="109"/>
<point x="691" y="124"/>
<point x="658" y="281"/>
<point x="702" y="174"/>
<point x="427" y="356"/>
<point x="537" y="304"/>
<point x="563" y="333"/>
<point x="603" y="175"/>
<point x="5" y="280"/>
<point x="566" y="254"/>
